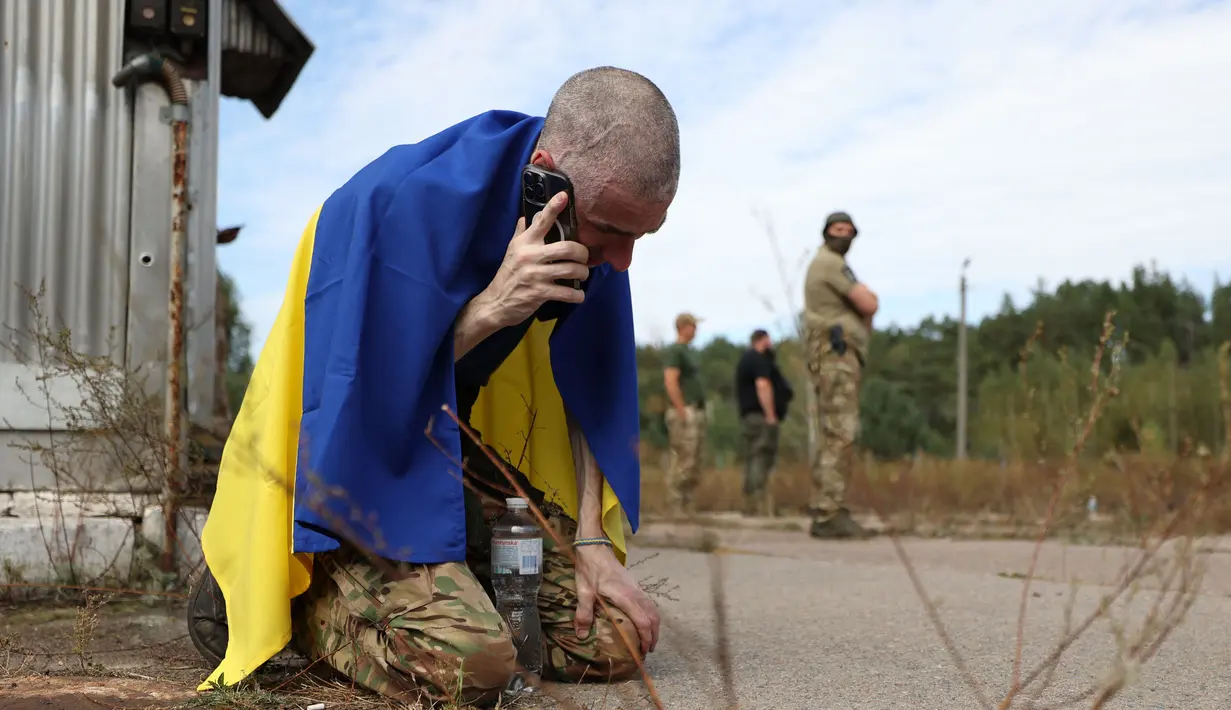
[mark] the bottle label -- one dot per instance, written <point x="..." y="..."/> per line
<point x="517" y="556"/>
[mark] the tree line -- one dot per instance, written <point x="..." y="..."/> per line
<point x="1028" y="374"/>
<point x="1029" y="371"/>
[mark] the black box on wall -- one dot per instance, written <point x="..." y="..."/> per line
<point x="188" y="18"/>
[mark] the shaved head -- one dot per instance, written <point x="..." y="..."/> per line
<point x="613" y="127"/>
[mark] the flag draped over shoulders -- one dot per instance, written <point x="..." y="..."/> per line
<point x="341" y="433"/>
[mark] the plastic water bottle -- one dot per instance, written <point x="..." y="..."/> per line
<point x="517" y="572"/>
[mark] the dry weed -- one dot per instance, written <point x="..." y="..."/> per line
<point x="84" y="627"/>
<point x="11" y="667"/>
<point x="110" y="434"/>
<point x="1179" y="577"/>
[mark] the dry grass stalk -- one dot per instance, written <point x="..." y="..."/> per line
<point x="113" y="429"/>
<point x="1099" y="395"/>
<point x="85" y="626"/>
<point x="1179" y="580"/>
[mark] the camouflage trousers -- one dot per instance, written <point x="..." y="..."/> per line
<point x="415" y="631"/>
<point x="835" y="381"/>
<point x="686" y="437"/>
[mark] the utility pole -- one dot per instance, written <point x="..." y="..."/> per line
<point x="962" y="389"/>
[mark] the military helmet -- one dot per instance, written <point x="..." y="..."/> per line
<point x="836" y="217"/>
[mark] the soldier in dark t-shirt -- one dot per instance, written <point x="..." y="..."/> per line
<point x="762" y="395"/>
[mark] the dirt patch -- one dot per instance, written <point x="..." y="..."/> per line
<point x="97" y="652"/>
<point x="129" y="654"/>
<point x="42" y="692"/>
<point x="94" y="635"/>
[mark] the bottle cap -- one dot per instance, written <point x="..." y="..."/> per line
<point x="515" y="502"/>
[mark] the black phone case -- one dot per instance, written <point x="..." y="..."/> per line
<point x="538" y="185"/>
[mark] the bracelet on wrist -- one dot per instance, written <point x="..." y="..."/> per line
<point x="584" y="541"/>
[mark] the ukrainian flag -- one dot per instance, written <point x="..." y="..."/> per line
<point x="332" y="439"/>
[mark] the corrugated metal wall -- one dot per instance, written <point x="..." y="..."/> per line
<point x="65" y="164"/>
<point x="85" y="172"/>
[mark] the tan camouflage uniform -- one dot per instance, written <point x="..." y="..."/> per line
<point x="409" y="628"/>
<point x="835" y="379"/>
<point x="835" y="375"/>
<point x="686" y="438"/>
<point x="403" y="627"/>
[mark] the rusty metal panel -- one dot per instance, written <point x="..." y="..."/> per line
<point x="65" y="137"/>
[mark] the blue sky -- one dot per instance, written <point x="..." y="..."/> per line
<point x="1043" y="139"/>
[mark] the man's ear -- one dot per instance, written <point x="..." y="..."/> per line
<point x="543" y="159"/>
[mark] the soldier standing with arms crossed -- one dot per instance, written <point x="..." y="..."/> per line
<point x="838" y="314"/>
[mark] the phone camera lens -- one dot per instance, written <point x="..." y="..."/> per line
<point x="540" y="192"/>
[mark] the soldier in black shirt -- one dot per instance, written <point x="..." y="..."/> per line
<point x="763" y="395"/>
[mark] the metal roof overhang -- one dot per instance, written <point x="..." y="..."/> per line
<point x="263" y="51"/>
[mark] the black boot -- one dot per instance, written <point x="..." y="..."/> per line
<point x="840" y="527"/>
<point x="207" y="619"/>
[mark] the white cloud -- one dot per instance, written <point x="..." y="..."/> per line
<point x="1044" y="139"/>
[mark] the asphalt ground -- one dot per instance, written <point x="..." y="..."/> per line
<point x="813" y="624"/>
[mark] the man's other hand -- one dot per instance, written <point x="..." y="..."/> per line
<point x="600" y="573"/>
<point x="528" y="274"/>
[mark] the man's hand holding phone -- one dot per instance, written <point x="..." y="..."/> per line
<point x="527" y="276"/>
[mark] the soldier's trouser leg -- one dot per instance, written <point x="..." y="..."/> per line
<point x="686" y="438"/>
<point x="400" y="629"/>
<point x="836" y="381"/>
<point x="760" y="453"/>
<point x="601" y="655"/>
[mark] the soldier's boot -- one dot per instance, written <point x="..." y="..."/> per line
<point x="754" y="505"/>
<point x="675" y="504"/>
<point x="840" y="527"/>
<point x="682" y="507"/>
<point x="207" y="619"/>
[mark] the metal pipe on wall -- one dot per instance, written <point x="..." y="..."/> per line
<point x="148" y="67"/>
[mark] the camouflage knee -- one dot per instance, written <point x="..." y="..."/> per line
<point x="406" y="631"/>
<point x="602" y="655"/>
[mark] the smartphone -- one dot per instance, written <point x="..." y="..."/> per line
<point x="538" y="185"/>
